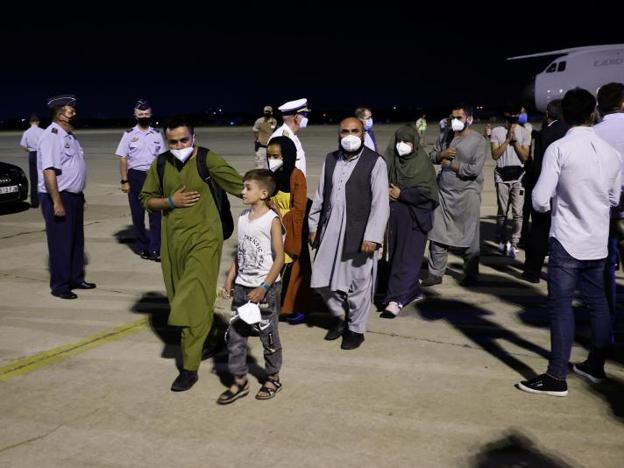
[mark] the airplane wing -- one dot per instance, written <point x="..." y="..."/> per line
<point x="569" y="51"/>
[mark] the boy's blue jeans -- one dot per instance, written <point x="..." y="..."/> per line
<point x="565" y="274"/>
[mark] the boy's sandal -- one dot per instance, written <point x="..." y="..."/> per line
<point x="266" y="392"/>
<point x="229" y="396"/>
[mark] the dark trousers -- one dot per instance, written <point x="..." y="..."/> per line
<point x="407" y="247"/>
<point x="611" y="267"/>
<point x="565" y="273"/>
<point x="65" y="241"/>
<point x="536" y="245"/>
<point x="143" y="243"/>
<point x="34" y="181"/>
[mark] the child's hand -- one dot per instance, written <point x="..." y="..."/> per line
<point x="226" y="291"/>
<point x="256" y="295"/>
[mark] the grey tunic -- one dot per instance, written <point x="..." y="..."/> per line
<point x="456" y="219"/>
<point x="328" y="269"/>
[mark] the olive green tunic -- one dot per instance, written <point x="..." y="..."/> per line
<point x="191" y="238"/>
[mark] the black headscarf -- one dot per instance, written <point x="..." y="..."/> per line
<point x="289" y="156"/>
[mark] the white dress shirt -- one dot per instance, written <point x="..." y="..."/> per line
<point x="582" y="175"/>
<point x="611" y="130"/>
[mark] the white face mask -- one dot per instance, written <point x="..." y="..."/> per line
<point x="275" y="164"/>
<point x="303" y="123"/>
<point x="368" y="124"/>
<point x="183" y="154"/>
<point x="351" y="143"/>
<point x="457" y="125"/>
<point x="403" y="148"/>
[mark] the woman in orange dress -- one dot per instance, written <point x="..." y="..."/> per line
<point x="291" y="201"/>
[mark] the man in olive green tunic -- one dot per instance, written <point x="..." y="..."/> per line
<point x="191" y="239"/>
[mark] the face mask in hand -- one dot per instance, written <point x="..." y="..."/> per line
<point x="275" y="164"/>
<point x="351" y="143"/>
<point x="403" y="148"/>
<point x="183" y="154"/>
<point x="457" y="125"/>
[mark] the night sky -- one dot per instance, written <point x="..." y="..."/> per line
<point x="238" y="57"/>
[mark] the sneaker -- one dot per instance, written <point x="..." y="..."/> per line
<point x="392" y="310"/>
<point x="431" y="280"/>
<point x="297" y="318"/>
<point x="502" y="248"/>
<point x="544" y="384"/>
<point x="593" y="375"/>
<point x="513" y="251"/>
<point x="155" y="256"/>
<point x="144" y="254"/>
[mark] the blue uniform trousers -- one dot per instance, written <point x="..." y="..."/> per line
<point x="143" y="243"/>
<point x="65" y="241"/>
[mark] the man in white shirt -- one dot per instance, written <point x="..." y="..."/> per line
<point x="30" y="143"/>
<point x="581" y="178"/>
<point x="611" y="129"/>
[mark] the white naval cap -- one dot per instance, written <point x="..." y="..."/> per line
<point x="294" y="107"/>
<point x="62" y="100"/>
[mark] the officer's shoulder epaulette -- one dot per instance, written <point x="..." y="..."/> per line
<point x="54" y="130"/>
<point x="129" y="130"/>
<point x="285" y="133"/>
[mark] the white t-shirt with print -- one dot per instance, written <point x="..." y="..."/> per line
<point x="255" y="252"/>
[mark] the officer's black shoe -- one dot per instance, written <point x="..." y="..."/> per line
<point x="84" y="285"/>
<point x="145" y="255"/>
<point x="66" y="295"/>
<point x="184" y="381"/>
<point x="336" y="330"/>
<point x="352" y="340"/>
<point x="155" y="256"/>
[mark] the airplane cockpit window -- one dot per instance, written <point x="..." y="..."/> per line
<point x="552" y="67"/>
<point x="562" y="66"/>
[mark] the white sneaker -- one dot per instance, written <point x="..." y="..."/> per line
<point x="502" y="248"/>
<point x="513" y="252"/>
<point x="393" y="308"/>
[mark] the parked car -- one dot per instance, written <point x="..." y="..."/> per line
<point x="13" y="184"/>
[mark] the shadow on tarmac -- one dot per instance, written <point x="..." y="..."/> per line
<point x="515" y="449"/>
<point x="157" y="306"/>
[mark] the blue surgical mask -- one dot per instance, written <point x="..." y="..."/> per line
<point x="523" y="118"/>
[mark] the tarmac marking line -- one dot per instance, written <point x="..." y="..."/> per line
<point x="55" y="355"/>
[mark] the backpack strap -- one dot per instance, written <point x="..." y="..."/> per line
<point x="204" y="173"/>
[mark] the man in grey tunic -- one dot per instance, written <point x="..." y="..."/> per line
<point x="461" y="153"/>
<point x="347" y="222"/>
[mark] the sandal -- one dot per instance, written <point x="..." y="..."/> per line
<point x="229" y="396"/>
<point x="266" y="393"/>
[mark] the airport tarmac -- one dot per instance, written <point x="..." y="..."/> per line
<point x="85" y="383"/>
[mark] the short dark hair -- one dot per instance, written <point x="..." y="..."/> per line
<point x="179" y="121"/>
<point x="577" y="107"/>
<point x="34" y="118"/>
<point x="553" y="109"/>
<point x="610" y="97"/>
<point x="264" y="178"/>
<point x="468" y="110"/>
<point x="512" y="108"/>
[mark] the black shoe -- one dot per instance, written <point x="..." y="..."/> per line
<point x="145" y="255"/>
<point x="530" y="277"/>
<point x="469" y="281"/>
<point x="431" y="280"/>
<point x="336" y="331"/>
<point x="352" y="340"/>
<point x="593" y="375"/>
<point x="84" y="285"/>
<point x="544" y="384"/>
<point x="66" y="295"/>
<point x="184" y="381"/>
<point x="155" y="256"/>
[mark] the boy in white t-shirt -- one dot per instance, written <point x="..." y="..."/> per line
<point x="255" y="275"/>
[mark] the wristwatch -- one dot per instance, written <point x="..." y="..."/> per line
<point x="124" y="181"/>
